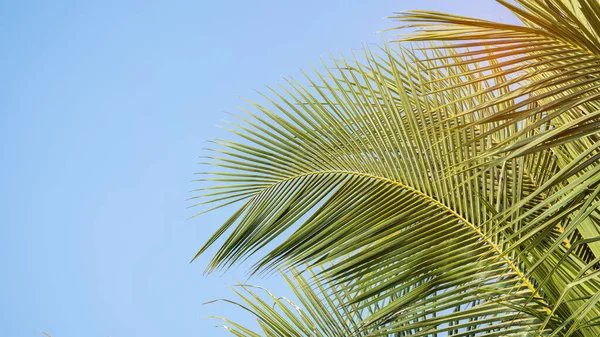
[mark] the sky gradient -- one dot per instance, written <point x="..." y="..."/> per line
<point x="105" y="107"/>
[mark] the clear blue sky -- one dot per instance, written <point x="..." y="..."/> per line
<point x="104" y="109"/>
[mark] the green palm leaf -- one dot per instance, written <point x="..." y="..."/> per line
<point x="553" y="64"/>
<point x="375" y="203"/>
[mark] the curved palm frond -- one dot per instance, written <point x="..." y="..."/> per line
<point x="372" y="170"/>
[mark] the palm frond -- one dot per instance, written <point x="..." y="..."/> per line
<point x="543" y="80"/>
<point x="359" y="162"/>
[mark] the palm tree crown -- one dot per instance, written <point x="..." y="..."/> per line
<point x="448" y="186"/>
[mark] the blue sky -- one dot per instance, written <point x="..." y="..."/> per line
<point x="105" y="107"/>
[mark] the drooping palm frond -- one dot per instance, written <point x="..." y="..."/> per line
<point x="464" y="180"/>
<point x="362" y="155"/>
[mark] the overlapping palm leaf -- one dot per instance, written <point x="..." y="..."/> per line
<point x="552" y="65"/>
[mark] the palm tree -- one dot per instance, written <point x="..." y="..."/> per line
<point x="448" y="186"/>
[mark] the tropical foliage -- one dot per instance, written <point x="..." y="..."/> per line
<point x="446" y="185"/>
